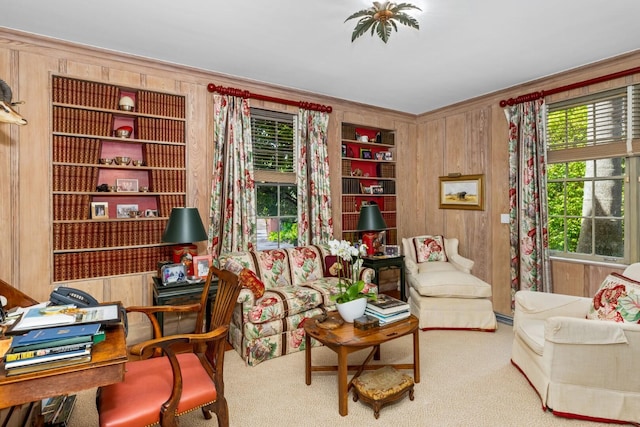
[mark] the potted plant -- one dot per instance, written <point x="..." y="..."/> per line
<point x="350" y="299"/>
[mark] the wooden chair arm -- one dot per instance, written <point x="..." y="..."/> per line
<point x="146" y="348"/>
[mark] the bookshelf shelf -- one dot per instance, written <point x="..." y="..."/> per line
<point x="85" y="117"/>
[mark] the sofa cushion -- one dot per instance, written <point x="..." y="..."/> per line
<point x="282" y="302"/>
<point x="617" y="300"/>
<point x="456" y="284"/>
<point x="305" y="263"/>
<point x="429" y="248"/>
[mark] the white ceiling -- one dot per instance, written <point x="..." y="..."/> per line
<point x="464" y="48"/>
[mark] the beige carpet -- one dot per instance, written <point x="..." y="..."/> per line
<point x="466" y="380"/>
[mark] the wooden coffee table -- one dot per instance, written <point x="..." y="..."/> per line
<point x="346" y="339"/>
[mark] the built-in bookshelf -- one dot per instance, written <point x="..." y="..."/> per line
<point x="368" y="176"/>
<point x="108" y="217"/>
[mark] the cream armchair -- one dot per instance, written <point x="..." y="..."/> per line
<point x="581" y="368"/>
<point x="443" y="293"/>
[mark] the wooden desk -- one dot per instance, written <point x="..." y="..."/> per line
<point x="106" y="367"/>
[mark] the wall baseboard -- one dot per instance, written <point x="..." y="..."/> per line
<point x="503" y="318"/>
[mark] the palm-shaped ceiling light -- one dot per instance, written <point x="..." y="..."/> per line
<point x="381" y="18"/>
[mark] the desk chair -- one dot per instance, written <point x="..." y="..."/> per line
<point x="156" y="390"/>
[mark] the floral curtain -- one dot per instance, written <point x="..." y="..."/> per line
<point x="232" y="217"/>
<point x="314" y="195"/>
<point x="530" y="265"/>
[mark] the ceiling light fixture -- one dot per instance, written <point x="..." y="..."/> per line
<point x="381" y="18"/>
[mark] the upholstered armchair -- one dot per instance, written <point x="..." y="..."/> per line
<point x="443" y="293"/>
<point x="580" y="354"/>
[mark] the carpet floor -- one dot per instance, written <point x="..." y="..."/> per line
<point x="466" y="380"/>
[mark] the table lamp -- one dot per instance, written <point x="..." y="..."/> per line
<point x="370" y="223"/>
<point x="183" y="228"/>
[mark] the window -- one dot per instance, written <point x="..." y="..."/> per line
<point x="274" y="139"/>
<point x="592" y="180"/>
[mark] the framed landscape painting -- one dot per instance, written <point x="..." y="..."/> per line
<point x="462" y="192"/>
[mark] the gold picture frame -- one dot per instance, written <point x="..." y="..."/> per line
<point x="462" y="192"/>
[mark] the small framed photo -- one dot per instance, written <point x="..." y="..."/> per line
<point x="99" y="210"/>
<point x="122" y="211"/>
<point x="344" y="150"/>
<point x="201" y="265"/>
<point x="173" y="273"/>
<point x="388" y="155"/>
<point x="365" y="153"/>
<point x="127" y="185"/>
<point x="379" y="155"/>
<point x="151" y="213"/>
<point x="391" y="250"/>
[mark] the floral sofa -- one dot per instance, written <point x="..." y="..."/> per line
<point x="281" y="288"/>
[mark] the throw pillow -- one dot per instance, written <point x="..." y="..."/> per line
<point x="617" y="300"/>
<point x="233" y="266"/>
<point x="249" y="280"/>
<point x="429" y="248"/>
<point x="331" y="267"/>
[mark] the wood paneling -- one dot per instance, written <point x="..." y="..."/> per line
<point x="468" y="137"/>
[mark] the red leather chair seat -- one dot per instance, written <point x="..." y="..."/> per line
<point x="147" y="385"/>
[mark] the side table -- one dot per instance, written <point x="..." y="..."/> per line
<point x="385" y="262"/>
<point x="182" y="294"/>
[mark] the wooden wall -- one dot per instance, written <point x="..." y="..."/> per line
<point x="469" y="138"/>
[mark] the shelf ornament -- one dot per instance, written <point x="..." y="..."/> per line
<point x="381" y="18"/>
<point x="7" y="113"/>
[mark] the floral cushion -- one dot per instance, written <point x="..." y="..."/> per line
<point x="250" y="281"/>
<point x="429" y="248"/>
<point x="273" y="266"/>
<point x="331" y="266"/>
<point x="306" y="264"/>
<point x="617" y="300"/>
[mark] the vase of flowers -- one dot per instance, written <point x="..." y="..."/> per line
<point x="350" y="299"/>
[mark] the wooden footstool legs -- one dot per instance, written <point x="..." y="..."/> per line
<point x="385" y="385"/>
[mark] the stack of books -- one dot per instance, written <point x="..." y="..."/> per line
<point x="49" y="348"/>
<point x="387" y="309"/>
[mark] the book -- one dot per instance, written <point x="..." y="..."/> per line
<point x="36" y="336"/>
<point x="385" y="320"/>
<point x="30" y="354"/>
<point x="47" y="358"/>
<point x="51" y="316"/>
<point x="59" y="343"/>
<point x="48" y="365"/>
<point x="386" y="304"/>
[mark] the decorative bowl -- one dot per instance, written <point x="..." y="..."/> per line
<point x="123" y="160"/>
<point x="138" y="162"/>
<point x="126" y="103"/>
<point x="106" y="161"/>
<point x="124" y="131"/>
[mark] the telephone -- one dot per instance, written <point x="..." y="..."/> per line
<point x="63" y="295"/>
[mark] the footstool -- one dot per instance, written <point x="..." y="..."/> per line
<point x="382" y="386"/>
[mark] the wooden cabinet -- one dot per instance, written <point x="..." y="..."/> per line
<point x="94" y="234"/>
<point x="368" y="176"/>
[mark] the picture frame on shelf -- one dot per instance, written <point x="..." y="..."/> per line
<point x="365" y="153"/>
<point x="462" y="192"/>
<point x="122" y="211"/>
<point x="99" y="210"/>
<point x="151" y="213"/>
<point x="344" y="150"/>
<point x="127" y="185"/>
<point x="201" y="265"/>
<point x="391" y="250"/>
<point x="379" y="155"/>
<point x="388" y="155"/>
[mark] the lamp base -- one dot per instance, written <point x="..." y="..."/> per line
<point x="184" y="254"/>
<point x="368" y="238"/>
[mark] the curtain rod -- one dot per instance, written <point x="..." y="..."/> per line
<point x="541" y="94"/>
<point x="246" y="94"/>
